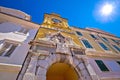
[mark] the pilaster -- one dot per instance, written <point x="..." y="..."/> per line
<point x="30" y="73"/>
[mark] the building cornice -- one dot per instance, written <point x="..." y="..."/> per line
<point x="105" y="33"/>
<point x="10" y="68"/>
<point x="18" y="20"/>
<point x="102" y="54"/>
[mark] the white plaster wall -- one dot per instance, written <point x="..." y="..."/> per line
<point x="18" y="56"/>
<point x="8" y="31"/>
<point x="110" y="75"/>
<point x="14" y="12"/>
<point x="8" y="76"/>
<point x="30" y="35"/>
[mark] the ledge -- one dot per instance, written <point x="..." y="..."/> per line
<point x="102" y="55"/>
<point x="10" y="68"/>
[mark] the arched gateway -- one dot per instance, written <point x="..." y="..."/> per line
<point x="61" y="71"/>
<point x="56" y="67"/>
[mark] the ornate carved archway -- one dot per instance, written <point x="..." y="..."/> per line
<point x="42" y="60"/>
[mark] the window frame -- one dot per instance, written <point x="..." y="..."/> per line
<point x="102" y="47"/>
<point x="12" y="43"/>
<point x="85" y="45"/>
<point x="93" y="36"/>
<point x="108" y="69"/>
<point x="22" y="31"/>
<point x="105" y="39"/>
<point x="116" y="41"/>
<point x="115" y="48"/>
<point x="77" y="32"/>
<point x="118" y="62"/>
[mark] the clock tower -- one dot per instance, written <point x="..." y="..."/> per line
<point x="55" y="21"/>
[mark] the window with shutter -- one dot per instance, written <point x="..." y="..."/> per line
<point x="101" y="65"/>
<point x="103" y="46"/>
<point x="87" y="44"/>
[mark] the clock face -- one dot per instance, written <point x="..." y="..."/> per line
<point x="56" y="20"/>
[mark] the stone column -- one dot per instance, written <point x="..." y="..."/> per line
<point x="30" y="73"/>
<point x="41" y="73"/>
<point x="93" y="74"/>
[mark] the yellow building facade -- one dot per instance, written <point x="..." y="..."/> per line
<point x="61" y="52"/>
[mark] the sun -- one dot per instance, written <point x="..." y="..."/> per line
<point x="107" y="9"/>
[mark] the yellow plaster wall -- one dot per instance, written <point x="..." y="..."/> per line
<point x="86" y="35"/>
<point x="44" y="31"/>
<point x="55" y="78"/>
<point x="92" y="41"/>
<point x="48" y="27"/>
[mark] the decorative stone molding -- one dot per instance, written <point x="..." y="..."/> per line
<point x="92" y="74"/>
<point x="30" y="73"/>
<point x="41" y="74"/>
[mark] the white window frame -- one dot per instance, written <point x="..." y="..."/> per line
<point x="22" y="32"/>
<point x="7" y="49"/>
<point x="78" y="34"/>
<point x="87" y="49"/>
<point x="106" y="51"/>
<point x="115" y="48"/>
<point x="104" y="64"/>
<point x="94" y="35"/>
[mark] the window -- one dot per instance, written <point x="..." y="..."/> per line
<point x="116" y="41"/>
<point x="101" y="65"/>
<point x="79" y="33"/>
<point x="87" y="44"/>
<point x="105" y="39"/>
<point x="23" y="30"/>
<point x="103" y="46"/>
<point x="93" y="36"/>
<point x="118" y="62"/>
<point x="116" y="47"/>
<point x="7" y="49"/>
<point x="56" y="20"/>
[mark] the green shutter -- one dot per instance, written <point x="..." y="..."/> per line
<point x="101" y="65"/>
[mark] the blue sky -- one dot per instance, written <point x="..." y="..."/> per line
<point x="80" y="13"/>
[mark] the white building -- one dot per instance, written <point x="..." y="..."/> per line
<point x="16" y="31"/>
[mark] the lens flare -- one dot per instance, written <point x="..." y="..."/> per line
<point x="107" y="9"/>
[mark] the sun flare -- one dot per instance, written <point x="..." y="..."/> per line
<point x="107" y="9"/>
